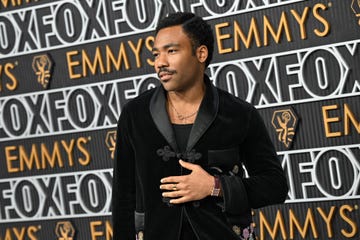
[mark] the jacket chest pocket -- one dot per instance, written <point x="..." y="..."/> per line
<point x="225" y="161"/>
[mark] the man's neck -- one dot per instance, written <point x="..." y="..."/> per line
<point x="191" y="95"/>
<point x="183" y="106"/>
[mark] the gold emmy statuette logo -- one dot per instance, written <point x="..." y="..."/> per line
<point x="65" y="231"/>
<point x="42" y="67"/>
<point x="284" y="122"/>
<point x="355" y="6"/>
<point x="111" y="142"/>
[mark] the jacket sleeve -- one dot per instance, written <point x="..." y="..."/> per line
<point x="266" y="183"/>
<point x="123" y="188"/>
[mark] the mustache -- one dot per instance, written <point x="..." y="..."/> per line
<point x="165" y="70"/>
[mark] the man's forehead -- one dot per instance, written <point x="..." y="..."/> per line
<point x="165" y="46"/>
<point x="169" y="37"/>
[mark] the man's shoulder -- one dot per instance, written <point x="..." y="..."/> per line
<point x="142" y="100"/>
<point x="229" y="99"/>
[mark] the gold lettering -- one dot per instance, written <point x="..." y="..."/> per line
<point x="328" y="219"/>
<point x="6" y="70"/>
<point x="31" y="231"/>
<point x="321" y="19"/>
<point x="308" y="221"/>
<point x="5" y="3"/>
<point x="279" y="223"/>
<point x="220" y="37"/>
<point x="327" y="120"/>
<point x="14" y="3"/>
<point x="83" y="161"/>
<point x="8" y="234"/>
<point x="108" y="230"/>
<point x="283" y="26"/>
<point x="136" y="50"/>
<point x="93" y="66"/>
<point x="301" y="20"/>
<point x="94" y="233"/>
<point x="13" y="79"/>
<point x="349" y="116"/>
<point x="110" y="58"/>
<point x="69" y="150"/>
<point x="343" y="209"/>
<point x="40" y="156"/>
<point x="46" y="158"/>
<point x="253" y="31"/>
<point x="29" y="161"/>
<point x="149" y="42"/>
<point x="10" y="158"/>
<point x="19" y="234"/>
<point x="72" y="64"/>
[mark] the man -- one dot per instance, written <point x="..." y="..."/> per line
<point x="180" y="149"/>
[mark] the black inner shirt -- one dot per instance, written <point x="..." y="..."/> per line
<point x="182" y="132"/>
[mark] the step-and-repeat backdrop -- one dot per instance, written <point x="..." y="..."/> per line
<point x="67" y="67"/>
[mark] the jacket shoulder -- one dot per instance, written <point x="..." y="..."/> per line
<point x="141" y="101"/>
<point x="229" y="101"/>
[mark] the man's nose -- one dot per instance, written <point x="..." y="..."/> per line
<point x="161" y="61"/>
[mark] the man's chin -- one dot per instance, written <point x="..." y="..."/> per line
<point x="167" y="85"/>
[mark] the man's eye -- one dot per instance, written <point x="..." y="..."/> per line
<point x="172" y="50"/>
<point x="155" y="55"/>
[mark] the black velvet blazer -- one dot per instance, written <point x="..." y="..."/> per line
<point x="228" y="133"/>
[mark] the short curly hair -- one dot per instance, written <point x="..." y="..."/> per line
<point x="198" y="30"/>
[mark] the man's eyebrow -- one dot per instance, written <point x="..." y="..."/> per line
<point x="166" y="46"/>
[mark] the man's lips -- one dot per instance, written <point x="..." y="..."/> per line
<point x="165" y="75"/>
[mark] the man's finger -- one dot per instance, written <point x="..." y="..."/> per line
<point x="173" y="194"/>
<point x="171" y="179"/>
<point x="170" y="187"/>
<point x="179" y="200"/>
<point x="187" y="165"/>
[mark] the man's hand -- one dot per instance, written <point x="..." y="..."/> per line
<point x="195" y="186"/>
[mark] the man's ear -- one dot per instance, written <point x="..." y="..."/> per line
<point x="202" y="53"/>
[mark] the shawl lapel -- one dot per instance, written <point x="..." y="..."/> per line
<point x="206" y="115"/>
<point x="160" y="116"/>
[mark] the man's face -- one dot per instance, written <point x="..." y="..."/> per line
<point x="177" y="66"/>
